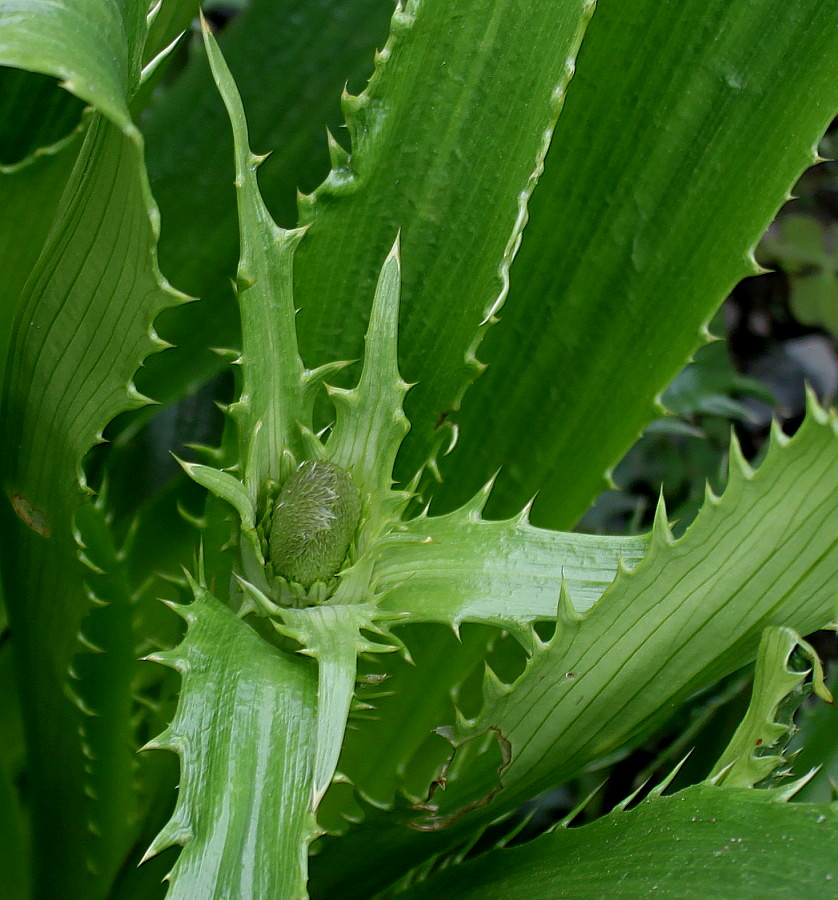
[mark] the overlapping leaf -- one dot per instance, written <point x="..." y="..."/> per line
<point x="243" y="730"/>
<point x="504" y="68"/>
<point x="683" y="132"/>
<point x="290" y="63"/>
<point x="93" y="47"/>
<point x="80" y="330"/>
<point x="788" y="671"/>
<point x="450" y="132"/>
<point x="701" y="842"/>
<point x="704" y="841"/>
<point x="689" y="614"/>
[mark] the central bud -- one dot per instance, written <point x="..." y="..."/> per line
<point x="314" y="521"/>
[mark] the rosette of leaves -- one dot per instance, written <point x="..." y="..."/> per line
<point x="321" y="530"/>
<point x="330" y="556"/>
<point x="676" y="147"/>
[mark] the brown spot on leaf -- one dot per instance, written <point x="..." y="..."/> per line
<point x="35" y="518"/>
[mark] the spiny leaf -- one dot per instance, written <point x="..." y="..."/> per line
<point x="371" y="424"/>
<point x="691" y="612"/>
<point x="461" y="568"/>
<point x="787" y="672"/>
<point x="447" y="143"/>
<point x="677" y="145"/>
<point x="67" y="378"/>
<point x="396" y="749"/>
<point x="271" y="408"/>
<point x="243" y="730"/>
<point x="334" y="636"/>
<point x="701" y="842"/>
<point x="104" y="673"/>
<point x="316" y="54"/>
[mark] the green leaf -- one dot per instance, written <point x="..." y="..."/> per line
<point x="103" y="678"/>
<point x="67" y="377"/>
<point x="370" y="423"/>
<point x="447" y="143"/>
<point x="461" y="568"/>
<point x="391" y="746"/>
<point x="691" y="612"/>
<point x="244" y="729"/>
<point x="271" y="409"/>
<point x="788" y="671"/>
<point x="225" y="486"/>
<point x="166" y="23"/>
<point x="702" y="842"/>
<point x="30" y="193"/>
<point x="334" y="636"/>
<point x="304" y="54"/>
<point x="678" y="142"/>
<point x="93" y="48"/>
<point x="504" y="67"/>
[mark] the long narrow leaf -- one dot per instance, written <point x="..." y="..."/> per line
<point x="450" y="132"/>
<point x="684" y="130"/>
<point x="462" y="568"/>
<point x="290" y="63"/>
<point x="702" y="842"/>
<point x="81" y="329"/>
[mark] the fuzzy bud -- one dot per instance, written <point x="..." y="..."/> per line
<point x="314" y="521"/>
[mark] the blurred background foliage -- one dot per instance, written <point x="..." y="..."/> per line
<point x="777" y="334"/>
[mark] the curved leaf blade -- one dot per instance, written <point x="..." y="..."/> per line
<point x="93" y="48"/>
<point x="81" y="329"/>
<point x="701" y="842"/>
<point x="787" y="672"/>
